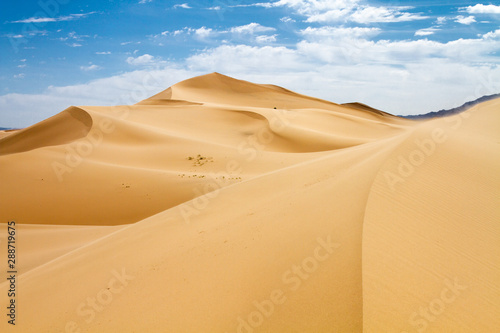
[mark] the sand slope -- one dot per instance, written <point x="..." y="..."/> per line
<point x="221" y="205"/>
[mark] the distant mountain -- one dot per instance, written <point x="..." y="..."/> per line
<point x="445" y="113"/>
<point x="4" y="128"/>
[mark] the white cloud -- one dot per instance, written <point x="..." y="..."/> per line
<point x="383" y="14"/>
<point x="200" y="32"/>
<point x="287" y="19"/>
<point x="145" y="1"/>
<point x="19" y="76"/>
<point x="214" y="8"/>
<point x="330" y="16"/>
<point x="482" y="9"/>
<point x="203" y="33"/>
<point x="465" y="20"/>
<point x="53" y="19"/>
<point x="338" y="32"/>
<point x="441" y="20"/>
<point x="426" y="31"/>
<point x="319" y="10"/>
<point x="21" y="66"/>
<point x="143" y="60"/>
<point x="265" y="39"/>
<point x="28" y="34"/>
<point x="72" y="35"/>
<point x="492" y="34"/>
<point x="244" y="58"/>
<point x="16" y="110"/>
<point x="104" y="52"/>
<point x="91" y="67"/>
<point x="259" y="4"/>
<point x="346" y="10"/>
<point x="312" y="7"/>
<point x="352" y="50"/>
<point x="184" y="5"/>
<point x="74" y="45"/>
<point x="251" y="28"/>
<point x="356" y="69"/>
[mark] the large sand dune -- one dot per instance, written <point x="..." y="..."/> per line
<point x="220" y="205"/>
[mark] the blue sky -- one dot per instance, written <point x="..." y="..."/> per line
<point x="404" y="57"/>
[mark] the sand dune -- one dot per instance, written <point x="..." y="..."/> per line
<point x="220" y="205"/>
<point x="70" y="125"/>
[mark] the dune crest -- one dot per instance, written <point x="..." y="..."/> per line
<point x="67" y="126"/>
<point x="220" y="205"/>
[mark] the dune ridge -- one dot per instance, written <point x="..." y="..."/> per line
<point x="220" y="205"/>
<point x="69" y="125"/>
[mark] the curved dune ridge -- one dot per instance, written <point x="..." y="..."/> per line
<point x="220" y="205"/>
<point x="71" y="124"/>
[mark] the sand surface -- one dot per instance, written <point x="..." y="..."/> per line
<point x="220" y="205"/>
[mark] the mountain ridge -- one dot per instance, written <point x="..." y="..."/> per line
<point x="452" y="111"/>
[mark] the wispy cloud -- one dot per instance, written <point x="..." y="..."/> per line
<point x="250" y="28"/>
<point x="324" y="11"/>
<point x="264" y="39"/>
<point x="53" y="19"/>
<point x="287" y="19"/>
<point x="426" y="31"/>
<point x="144" y="60"/>
<point x="183" y="5"/>
<point x="73" y="36"/>
<point x="105" y="52"/>
<point x="90" y="67"/>
<point x="441" y="20"/>
<point x="129" y="42"/>
<point x="338" y="32"/>
<point x="205" y="34"/>
<point x="30" y="34"/>
<point x="145" y="1"/>
<point x="370" y="14"/>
